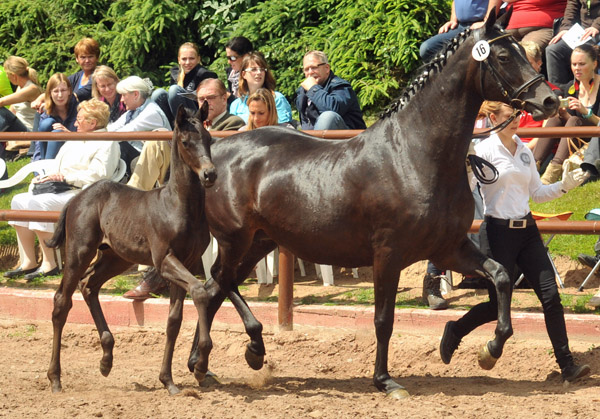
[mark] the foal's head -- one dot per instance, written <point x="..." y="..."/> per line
<point x="194" y="143"/>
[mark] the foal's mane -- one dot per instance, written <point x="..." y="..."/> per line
<point x="424" y="73"/>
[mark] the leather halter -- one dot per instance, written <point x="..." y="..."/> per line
<point x="513" y="96"/>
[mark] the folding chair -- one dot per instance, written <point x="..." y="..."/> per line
<point x="587" y="278"/>
<point x="563" y="216"/>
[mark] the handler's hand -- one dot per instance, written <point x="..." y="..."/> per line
<point x="572" y="179"/>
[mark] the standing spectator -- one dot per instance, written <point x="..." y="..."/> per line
<point x="60" y="115"/>
<point x="254" y="75"/>
<point x="104" y="88"/>
<point x="185" y="78"/>
<point x="465" y="14"/>
<point x="79" y="164"/>
<point x="142" y="115"/>
<point x="20" y="116"/>
<point x="324" y="100"/>
<point x="587" y="14"/>
<point x="533" y="20"/>
<point x="236" y="49"/>
<point x="510" y="236"/>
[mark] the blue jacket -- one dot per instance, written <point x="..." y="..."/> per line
<point x="335" y="95"/>
<point x="82" y="92"/>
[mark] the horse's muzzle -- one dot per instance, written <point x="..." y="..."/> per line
<point x="207" y="174"/>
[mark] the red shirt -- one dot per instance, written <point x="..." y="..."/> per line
<point x="536" y="13"/>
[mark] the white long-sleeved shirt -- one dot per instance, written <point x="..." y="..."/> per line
<point x="518" y="181"/>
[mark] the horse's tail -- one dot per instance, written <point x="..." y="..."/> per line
<point x="60" y="233"/>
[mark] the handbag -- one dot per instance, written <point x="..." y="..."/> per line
<point x="577" y="148"/>
<point x="51" y="187"/>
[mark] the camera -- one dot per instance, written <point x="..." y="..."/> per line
<point x="564" y="102"/>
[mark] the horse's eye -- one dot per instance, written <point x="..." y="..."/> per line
<point x="503" y="58"/>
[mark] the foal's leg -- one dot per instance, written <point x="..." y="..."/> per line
<point x="77" y="260"/>
<point x="104" y="268"/>
<point x="173" y="270"/>
<point x="255" y="350"/>
<point x="177" y="296"/>
<point x="386" y="274"/>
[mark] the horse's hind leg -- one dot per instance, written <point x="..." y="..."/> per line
<point x="177" y="296"/>
<point x="470" y="260"/>
<point x="76" y="264"/>
<point x="107" y="265"/>
<point x="255" y="350"/>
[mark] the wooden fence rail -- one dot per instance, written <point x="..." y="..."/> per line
<point x="286" y="258"/>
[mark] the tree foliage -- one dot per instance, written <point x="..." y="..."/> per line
<point x="371" y="43"/>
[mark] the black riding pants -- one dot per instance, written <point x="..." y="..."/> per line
<point x="521" y="248"/>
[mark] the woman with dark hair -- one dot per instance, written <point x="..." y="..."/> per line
<point x="254" y="75"/>
<point x="237" y="49"/>
<point x="582" y="108"/>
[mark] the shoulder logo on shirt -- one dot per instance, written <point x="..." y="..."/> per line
<point x="525" y="159"/>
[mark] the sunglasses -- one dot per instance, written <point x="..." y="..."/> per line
<point x="232" y="58"/>
<point x="255" y="70"/>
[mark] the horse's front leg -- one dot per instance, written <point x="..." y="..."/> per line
<point x="177" y="296"/>
<point x="255" y="350"/>
<point x="173" y="270"/>
<point x="385" y="276"/>
<point x="492" y="350"/>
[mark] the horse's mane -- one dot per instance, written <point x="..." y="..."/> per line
<point x="424" y="73"/>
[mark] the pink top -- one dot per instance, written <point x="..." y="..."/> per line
<point x="536" y="13"/>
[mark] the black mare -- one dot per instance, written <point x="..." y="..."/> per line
<point x="395" y="194"/>
<point x="112" y="226"/>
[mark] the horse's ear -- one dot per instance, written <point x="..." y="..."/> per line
<point x="490" y="21"/>
<point x="505" y="18"/>
<point x="181" y="115"/>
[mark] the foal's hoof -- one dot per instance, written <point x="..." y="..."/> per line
<point x="105" y="367"/>
<point x="210" y="380"/>
<point x="254" y="361"/>
<point x="199" y="376"/>
<point x="173" y="390"/>
<point x="56" y="387"/>
<point x="398" y="394"/>
<point x="486" y="360"/>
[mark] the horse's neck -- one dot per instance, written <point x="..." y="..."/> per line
<point x="183" y="182"/>
<point x="441" y="116"/>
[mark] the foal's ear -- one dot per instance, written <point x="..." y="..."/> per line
<point x="202" y="113"/>
<point x="505" y="18"/>
<point x="181" y="115"/>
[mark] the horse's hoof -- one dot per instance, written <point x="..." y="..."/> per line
<point x="105" y="367"/>
<point x="56" y="387"/>
<point x="254" y="361"/>
<point x="398" y="394"/>
<point x="486" y="360"/>
<point x="173" y="390"/>
<point x="210" y="380"/>
<point x="200" y="376"/>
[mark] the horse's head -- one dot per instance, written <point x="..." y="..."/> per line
<point x="506" y="75"/>
<point x="194" y="143"/>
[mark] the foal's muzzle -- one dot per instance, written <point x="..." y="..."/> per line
<point x="207" y="173"/>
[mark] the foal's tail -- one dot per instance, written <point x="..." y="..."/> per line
<point x="59" y="236"/>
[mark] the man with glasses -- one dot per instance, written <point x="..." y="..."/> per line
<point x="155" y="158"/>
<point x="324" y="100"/>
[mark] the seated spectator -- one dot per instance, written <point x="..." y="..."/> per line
<point x="20" y="116"/>
<point x="87" y="52"/>
<point x="142" y="115"/>
<point x="79" y="164"/>
<point x="185" y="78"/>
<point x="587" y="14"/>
<point x="104" y="88"/>
<point x="583" y="107"/>
<point x="254" y="75"/>
<point x="60" y="115"/>
<point x="262" y="111"/>
<point x="154" y="161"/>
<point x="465" y="14"/>
<point x="533" y="20"/>
<point x="236" y="49"/>
<point x="324" y="100"/>
<point x="5" y="87"/>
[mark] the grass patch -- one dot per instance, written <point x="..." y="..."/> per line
<point x="28" y="330"/>
<point x="7" y="233"/>
<point x="123" y="283"/>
